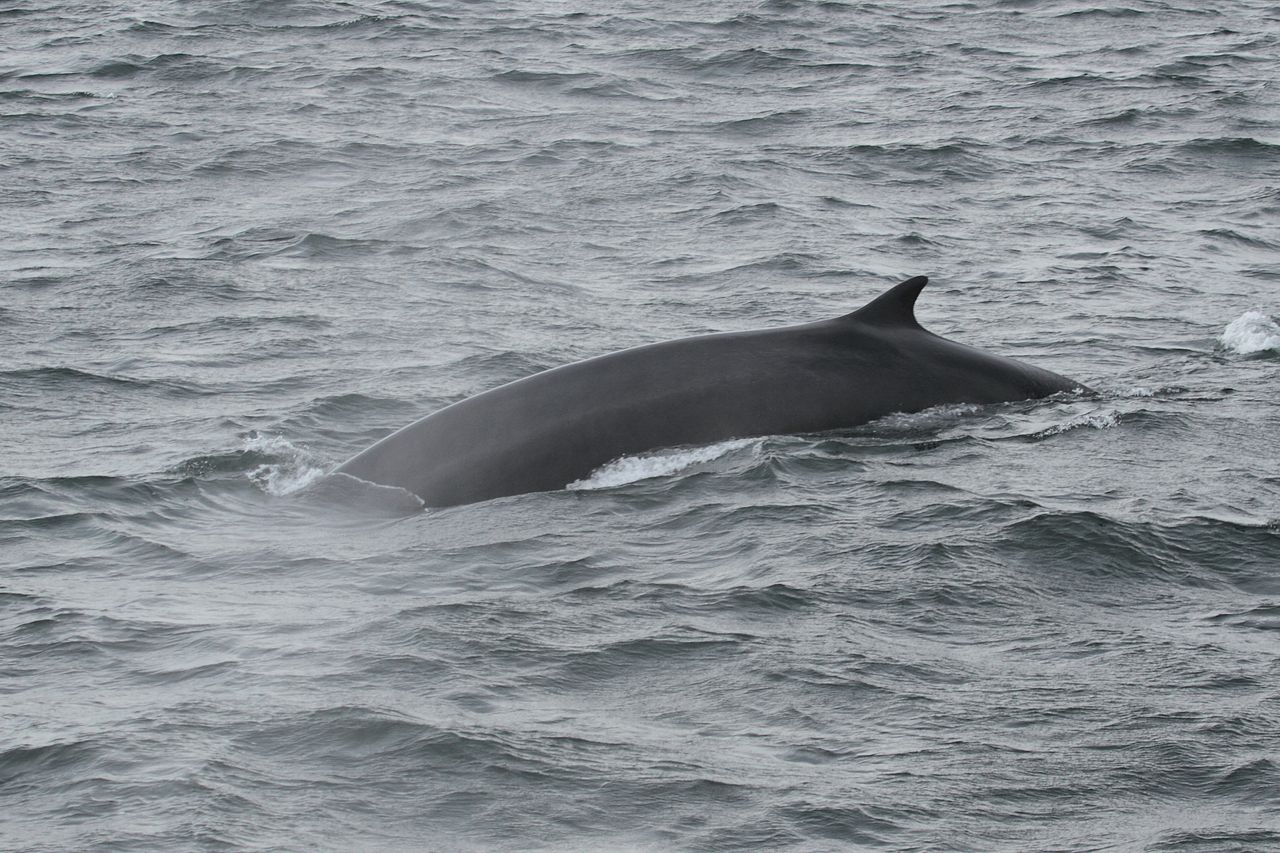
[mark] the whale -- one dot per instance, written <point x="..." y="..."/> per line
<point x="556" y="427"/>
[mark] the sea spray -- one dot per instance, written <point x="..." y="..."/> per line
<point x="1250" y="333"/>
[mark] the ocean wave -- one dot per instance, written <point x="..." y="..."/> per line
<point x="28" y="767"/>
<point x="1196" y="552"/>
<point x="340" y="408"/>
<point x="626" y="658"/>
<point x="1245" y="147"/>
<point x="1098" y="419"/>
<point x="36" y="382"/>
<point x="766" y="124"/>
<point x="270" y="243"/>
<point x="1234" y="236"/>
<point x="1104" y="12"/>
<point x="289" y="468"/>
<point x="1251" y="333"/>
<point x="631" y="469"/>
<point x="746" y="213"/>
<point x="1264" y="617"/>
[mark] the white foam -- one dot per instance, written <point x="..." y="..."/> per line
<point x="630" y="469"/>
<point x="295" y="468"/>
<point x="933" y="418"/>
<point x="1251" y="332"/>
<point x="1097" y="419"/>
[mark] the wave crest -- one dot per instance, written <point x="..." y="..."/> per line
<point x="630" y="469"/>
<point x="292" y="467"/>
<point x="1252" y="332"/>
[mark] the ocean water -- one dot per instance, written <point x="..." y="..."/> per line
<point x="240" y="241"/>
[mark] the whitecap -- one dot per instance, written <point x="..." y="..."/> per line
<point x="292" y="468"/>
<point x="1096" y="419"/>
<point x="630" y="469"/>
<point x="926" y="420"/>
<point x="1251" y="332"/>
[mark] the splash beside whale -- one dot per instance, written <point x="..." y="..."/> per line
<point x="545" y="431"/>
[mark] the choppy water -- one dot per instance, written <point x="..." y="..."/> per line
<point x="243" y="240"/>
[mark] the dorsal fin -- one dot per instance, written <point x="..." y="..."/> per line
<point x="894" y="307"/>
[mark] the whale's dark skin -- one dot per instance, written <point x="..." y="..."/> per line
<point x="550" y="429"/>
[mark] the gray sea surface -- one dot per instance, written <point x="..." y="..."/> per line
<point x="242" y="240"/>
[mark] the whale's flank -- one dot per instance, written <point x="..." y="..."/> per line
<point x="556" y="427"/>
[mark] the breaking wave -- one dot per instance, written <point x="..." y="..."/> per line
<point x="1251" y="333"/>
